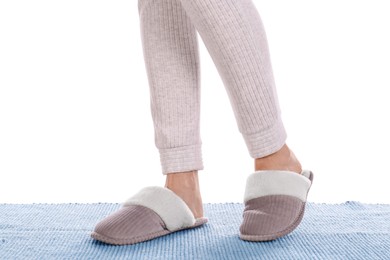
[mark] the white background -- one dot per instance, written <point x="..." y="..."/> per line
<point x="75" y="122"/>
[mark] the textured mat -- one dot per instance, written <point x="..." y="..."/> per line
<point x="351" y="230"/>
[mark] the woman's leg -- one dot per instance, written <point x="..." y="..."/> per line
<point x="234" y="36"/>
<point x="171" y="57"/>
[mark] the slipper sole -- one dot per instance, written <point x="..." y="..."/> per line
<point x="116" y="241"/>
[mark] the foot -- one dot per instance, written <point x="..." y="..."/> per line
<point x="284" y="159"/>
<point x="186" y="186"/>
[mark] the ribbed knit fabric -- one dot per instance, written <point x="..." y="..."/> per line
<point x="133" y="224"/>
<point x="233" y="34"/>
<point x="270" y="217"/>
<point x="274" y="204"/>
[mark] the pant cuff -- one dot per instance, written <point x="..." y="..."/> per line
<point x="181" y="159"/>
<point x="266" y="141"/>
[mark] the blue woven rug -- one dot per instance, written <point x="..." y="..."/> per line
<point x="351" y="230"/>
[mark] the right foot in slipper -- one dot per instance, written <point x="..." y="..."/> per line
<point x="152" y="212"/>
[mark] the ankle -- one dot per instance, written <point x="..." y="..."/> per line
<point x="186" y="186"/>
<point x="182" y="179"/>
<point x="283" y="159"/>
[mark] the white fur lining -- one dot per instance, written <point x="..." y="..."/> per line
<point x="274" y="182"/>
<point x="171" y="208"/>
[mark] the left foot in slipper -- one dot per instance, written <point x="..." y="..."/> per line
<point x="275" y="197"/>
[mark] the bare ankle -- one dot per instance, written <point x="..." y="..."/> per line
<point x="284" y="159"/>
<point x="189" y="178"/>
<point x="186" y="186"/>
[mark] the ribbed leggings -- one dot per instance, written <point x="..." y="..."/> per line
<point x="234" y="36"/>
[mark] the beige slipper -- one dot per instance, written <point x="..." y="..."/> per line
<point x="152" y="212"/>
<point x="274" y="203"/>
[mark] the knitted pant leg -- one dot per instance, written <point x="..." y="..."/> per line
<point x="170" y="49"/>
<point x="233" y="34"/>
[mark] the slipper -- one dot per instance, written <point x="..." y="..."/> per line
<point x="152" y="212"/>
<point x="274" y="203"/>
